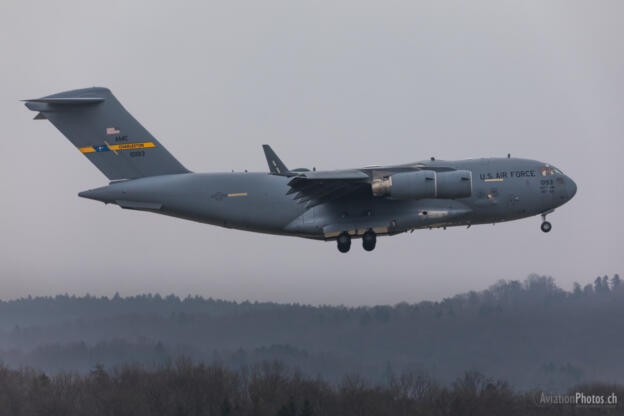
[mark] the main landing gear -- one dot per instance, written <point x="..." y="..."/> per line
<point x="344" y="242"/>
<point x="546" y="226"/>
<point x="369" y="240"/>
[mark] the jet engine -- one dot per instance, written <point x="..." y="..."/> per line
<point x="407" y="185"/>
<point x="424" y="184"/>
<point x="454" y="184"/>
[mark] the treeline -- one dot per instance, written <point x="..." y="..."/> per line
<point x="531" y="333"/>
<point x="51" y="309"/>
<point x="270" y="389"/>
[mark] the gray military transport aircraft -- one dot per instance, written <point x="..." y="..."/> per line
<point x="324" y="205"/>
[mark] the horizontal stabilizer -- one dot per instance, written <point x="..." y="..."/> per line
<point x="68" y="100"/>
<point x="40" y="116"/>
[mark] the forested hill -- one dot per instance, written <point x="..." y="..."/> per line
<point x="531" y="333"/>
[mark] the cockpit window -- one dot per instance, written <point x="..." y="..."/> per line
<point x="547" y="170"/>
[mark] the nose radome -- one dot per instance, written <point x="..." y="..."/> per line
<point x="571" y="187"/>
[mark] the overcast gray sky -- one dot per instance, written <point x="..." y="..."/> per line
<point x="328" y="84"/>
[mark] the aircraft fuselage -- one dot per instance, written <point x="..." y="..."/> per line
<point x="328" y="205"/>
<point x="503" y="189"/>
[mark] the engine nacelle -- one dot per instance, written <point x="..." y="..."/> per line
<point x="406" y="185"/>
<point x="424" y="184"/>
<point x="454" y="184"/>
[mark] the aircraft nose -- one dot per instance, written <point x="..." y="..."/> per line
<point x="571" y="187"/>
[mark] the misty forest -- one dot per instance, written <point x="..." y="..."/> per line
<point x="496" y="346"/>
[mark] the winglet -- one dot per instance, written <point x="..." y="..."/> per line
<point x="276" y="166"/>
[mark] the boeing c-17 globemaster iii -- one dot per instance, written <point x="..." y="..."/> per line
<point x="335" y="205"/>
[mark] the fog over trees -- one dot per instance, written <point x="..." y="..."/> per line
<point x="530" y="334"/>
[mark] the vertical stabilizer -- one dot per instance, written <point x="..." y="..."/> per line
<point x="101" y="129"/>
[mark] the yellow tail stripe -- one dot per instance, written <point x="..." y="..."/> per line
<point x="130" y="146"/>
<point x="238" y="194"/>
<point x="116" y="147"/>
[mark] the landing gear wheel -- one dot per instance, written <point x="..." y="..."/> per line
<point x="546" y="226"/>
<point x="344" y="242"/>
<point x="369" y="239"/>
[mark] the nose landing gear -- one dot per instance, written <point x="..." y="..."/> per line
<point x="546" y="226"/>
<point x="344" y="242"/>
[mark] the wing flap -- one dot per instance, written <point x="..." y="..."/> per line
<point x="317" y="191"/>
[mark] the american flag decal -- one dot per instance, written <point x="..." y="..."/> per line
<point x="112" y="130"/>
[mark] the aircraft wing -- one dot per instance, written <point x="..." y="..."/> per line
<point x="334" y="175"/>
<point x="316" y="187"/>
<point x="312" y="187"/>
<point x="276" y="166"/>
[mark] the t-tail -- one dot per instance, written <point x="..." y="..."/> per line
<point x="101" y="129"/>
